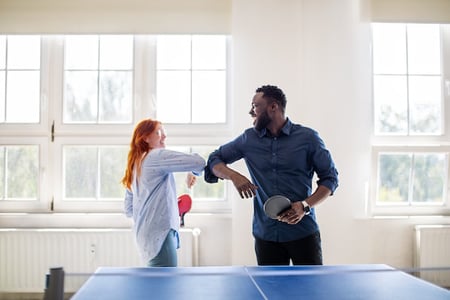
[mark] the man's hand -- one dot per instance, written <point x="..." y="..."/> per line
<point x="294" y="214"/>
<point x="245" y="187"/>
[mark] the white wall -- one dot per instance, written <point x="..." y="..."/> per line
<point x="267" y="50"/>
<point x="318" y="52"/>
<point x="114" y="16"/>
<point x="337" y="102"/>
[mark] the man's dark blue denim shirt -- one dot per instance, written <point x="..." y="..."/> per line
<point x="282" y="165"/>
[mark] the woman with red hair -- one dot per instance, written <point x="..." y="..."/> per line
<point x="151" y="198"/>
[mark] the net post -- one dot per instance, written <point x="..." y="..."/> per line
<point x="54" y="284"/>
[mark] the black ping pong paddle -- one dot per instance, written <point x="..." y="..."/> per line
<point x="275" y="205"/>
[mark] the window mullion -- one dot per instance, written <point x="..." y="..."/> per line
<point x="191" y="84"/>
<point x="98" y="185"/>
<point x="98" y="78"/>
<point x="5" y="180"/>
<point x="411" y="180"/>
<point x="408" y="106"/>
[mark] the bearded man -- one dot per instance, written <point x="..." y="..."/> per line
<point x="282" y="158"/>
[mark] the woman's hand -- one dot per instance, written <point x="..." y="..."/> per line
<point x="191" y="179"/>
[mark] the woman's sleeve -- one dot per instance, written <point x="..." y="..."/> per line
<point x="174" y="161"/>
<point x="128" y="203"/>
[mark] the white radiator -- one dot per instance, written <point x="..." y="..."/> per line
<point x="26" y="255"/>
<point x="432" y="250"/>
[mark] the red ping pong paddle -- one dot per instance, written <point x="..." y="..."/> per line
<point x="184" y="206"/>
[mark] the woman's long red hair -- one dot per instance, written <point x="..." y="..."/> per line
<point x="138" y="149"/>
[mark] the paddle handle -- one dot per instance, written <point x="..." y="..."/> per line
<point x="182" y="220"/>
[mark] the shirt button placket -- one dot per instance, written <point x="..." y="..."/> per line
<point x="274" y="163"/>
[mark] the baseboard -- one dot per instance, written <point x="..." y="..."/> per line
<point x="28" y="296"/>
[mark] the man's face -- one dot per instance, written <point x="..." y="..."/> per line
<point x="259" y="112"/>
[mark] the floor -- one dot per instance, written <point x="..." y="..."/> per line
<point x="28" y="296"/>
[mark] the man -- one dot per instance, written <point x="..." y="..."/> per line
<point x="282" y="158"/>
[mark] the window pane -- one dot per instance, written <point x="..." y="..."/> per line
<point x="116" y="96"/>
<point x="191" y="78"/>
<point x="425" y="104"/>
<point x="389" y="48"/>
<point x="80" y="96"/>
<point x="113" y="162"/>
<point x="430" y="177"/>
<point x="21" y="172"/>
<point x="390" y="100"/>
<point x="116" y="52"/>
<point x="208" y="97"/>
<point x="24" y="52"/>
<point x="20" y="78"/>
<point x="2" y="77"/>
<point x="201" y="191"/>
<point x="81" y="52"/>
<point x="411" y="105"/>
<point x="173" y="94"/>
<point x="2" y="96"/>
<point x="393" y="181"/>
<point x="2" y="52"/>
<point x="2" y="173"/>
<point x="98" y="79"/>
<point x="173" y="52"/>
<point x="208" y="52"/>
<point x="23" y="90"/>
<point x="94" y="172"/>
<point x="80" y="172"/>
<point x="424" y="48"/>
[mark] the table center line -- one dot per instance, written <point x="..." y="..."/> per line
<point x="256" y="285"/>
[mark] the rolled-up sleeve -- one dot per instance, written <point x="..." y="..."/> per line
<point x="325" y="168"/>
<point x="226" y="154"/>
<point x="214" y="158"/>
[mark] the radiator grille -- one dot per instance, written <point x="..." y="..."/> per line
<point x="432" y="250"/>
<point x="27" y="255"/>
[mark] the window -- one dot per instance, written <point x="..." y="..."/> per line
<point x="67" y="151"/>
<point x="20" y="166"/>
<point x="19" y="68"/>
<point x="407" y="79"/>
<point x="99" y="164"/>
<point x="411" y="119"/>
<point x="202" y="192"/>
<point x="196" y="66"/>
<point x="98" y="74"/>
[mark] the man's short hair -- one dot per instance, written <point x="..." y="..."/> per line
<point x="273" y="93"/>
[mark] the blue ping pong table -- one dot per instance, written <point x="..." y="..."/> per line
<point x="272" y="282"/>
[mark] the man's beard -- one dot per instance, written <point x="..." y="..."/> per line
<point x="262" y="121"/>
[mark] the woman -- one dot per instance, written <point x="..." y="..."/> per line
<point x="151" y="197"/>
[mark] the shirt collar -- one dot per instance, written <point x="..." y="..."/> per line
<point x="285" y="130"/>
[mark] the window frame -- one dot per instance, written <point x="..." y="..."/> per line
<point x="42" y="204"/>
<point x="61" y="205"/>
<point x="393" y="143"/>
<point x="51" y="134"/>
<point x="393" y="209"/>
